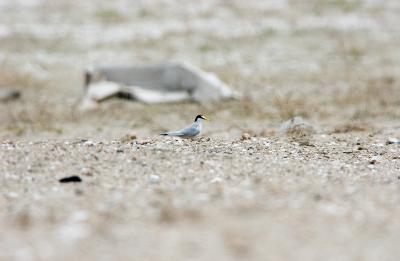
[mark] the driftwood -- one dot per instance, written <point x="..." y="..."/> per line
<point x="153" y="84"/>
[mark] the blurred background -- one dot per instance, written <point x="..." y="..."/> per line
<point x="326" y="60"/>
<point x="335" y="197"/>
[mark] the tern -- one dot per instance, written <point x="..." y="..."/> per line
<point x="190" y="131"/>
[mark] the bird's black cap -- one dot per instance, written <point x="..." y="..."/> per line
<point x="200" y="117"/>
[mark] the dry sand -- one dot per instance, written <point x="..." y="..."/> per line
<point x="333" y="194"/>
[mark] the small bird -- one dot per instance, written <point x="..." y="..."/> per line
<point x="190" y="131"/>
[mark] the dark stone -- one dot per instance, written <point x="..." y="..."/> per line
<point x="70" y="179"/>
<point x="9" y="95"/>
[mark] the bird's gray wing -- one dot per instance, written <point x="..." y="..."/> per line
<point x="189" y="131"/>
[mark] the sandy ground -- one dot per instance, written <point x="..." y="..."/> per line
<point x="329" y="195"/>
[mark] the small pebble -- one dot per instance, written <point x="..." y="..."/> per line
<point x="79" y="216"/>
<point x="9" y="95"/>
<point x="12" y="195"/>
<point x="374" y="160"/>
<point x="89" y="143"/>
<point x="246" y="136"/>
<point x="70" y="179"/>
<point x="392" y="140"/>
<point x="129" y="137"/>
<point x="86" y="171"/>
<point x="217" y="180"/>
<point x="154" y="179"/>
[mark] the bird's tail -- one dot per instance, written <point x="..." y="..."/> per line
<point x="172" y="134"/>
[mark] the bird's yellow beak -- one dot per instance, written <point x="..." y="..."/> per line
<point x="205" y="118"/>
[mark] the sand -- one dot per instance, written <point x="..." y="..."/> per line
<point x="242" y="191"/>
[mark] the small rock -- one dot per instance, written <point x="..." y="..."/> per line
<point x="154" y="179"/>
<point x="70" y="179"/>
<point x="317" y="197"/>
<point x="129" y="137"/>
<point x="246" y="136"/>
<point x="89" y="143"/>
<point x="374" y="160"/>
<point x="296" y="126"/>
<point x="70" y="232"/>
<point x="79" y="216"/>
<point x="393" y="141"/>
<point x="217" y="180"/>
<point x="7" y="142"/>
<point x="196" y="181"/>
<point x="12" y="195"/>
<point x="332" y="209"/>
<point x="87" y="172"/>
<point x="78" y="192"/>
<point x="9" y="95"/>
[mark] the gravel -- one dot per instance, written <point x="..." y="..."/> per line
<point x="226" y="196"/>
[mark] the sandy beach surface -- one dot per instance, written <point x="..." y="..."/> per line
<point x="243" y="190"/>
